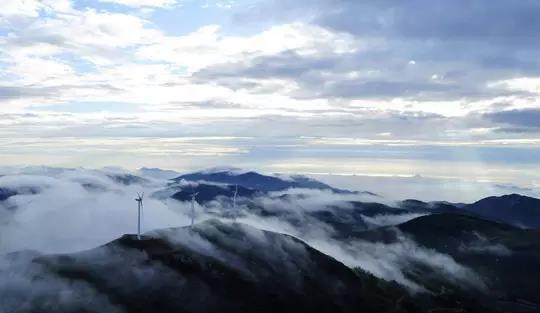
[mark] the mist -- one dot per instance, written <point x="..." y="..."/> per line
<point x="69" y="210"/>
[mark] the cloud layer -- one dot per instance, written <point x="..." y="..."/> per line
<point x="444" y="73"/>
<point x="66" y="210"/>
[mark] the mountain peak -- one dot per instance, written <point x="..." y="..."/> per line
<point x="515" y="209"/>
<point x="212" y="267"/>
<point x="257" y="181"/>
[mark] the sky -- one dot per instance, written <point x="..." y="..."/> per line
<point x="432" y="88"/>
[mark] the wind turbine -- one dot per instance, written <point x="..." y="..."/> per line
<point x="234" y="202"/>
<point x="193" y="195"/>
<point x="139" y="200"/>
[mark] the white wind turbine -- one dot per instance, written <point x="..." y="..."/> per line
<point x="139" y="200"/>
<point x="193" y="195"/>
<point x="234" y="202"/>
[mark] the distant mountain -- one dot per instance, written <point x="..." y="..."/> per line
<point x="256" y="181"/>
<point x="157" y="173"/>
<point x="436" y="206"/>
<point x="512" y="209"/>
<point x="354" y="217"/>
<point x="127" y="179"/>
<point x="206" y="192"/>
<point x="6" y="193"/>
<point x="214" y="267"/>
<point x="505" y="257"/>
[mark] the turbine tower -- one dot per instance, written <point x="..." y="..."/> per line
<point x="139" y="200"/>
<point x="193" y="195"/>
<point x="234" y="202"/>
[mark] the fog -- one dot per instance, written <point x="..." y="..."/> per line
<point x="426" y="188"/>
<point x="68" y="210"/>
<point x="77" y="209"/>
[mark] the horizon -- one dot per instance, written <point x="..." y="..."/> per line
<point x="387" y="188"/>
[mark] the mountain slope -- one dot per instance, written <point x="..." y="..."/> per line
<point x="6" y="193"/>
<point x="512" y="209"/>
<point x="256" y="181"/>
<point x="506" y="258"/>
<point x="206" y="192"/>
<point x="215" y="267"/>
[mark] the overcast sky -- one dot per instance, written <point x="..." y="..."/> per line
<point x="440" y="88"/>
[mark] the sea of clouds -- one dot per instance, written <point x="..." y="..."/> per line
<point x="70" y="210"/>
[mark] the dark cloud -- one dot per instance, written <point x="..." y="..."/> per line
<point x="327" y="75"/>
<point x="11" y="92"/>
<point x="517" y="130"/>
<point x="285" y="65"/>
<point x="464" y="44"/>
<point x="49" y="92"/>
<point x="499" y="21"/>
<point x="391" y="89"/>
<point x="524" y="118"/>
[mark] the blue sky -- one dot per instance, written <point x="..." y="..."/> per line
<point x="438" y="88"/>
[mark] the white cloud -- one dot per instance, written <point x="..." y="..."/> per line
<point x="96" y="36"/>
<point x="143" y="3"/>
<point x="19" y="8"/>
<point x="57" y="54"/>
<point x="530" y="84"/>
<point x="30" y="8"/>
<point x="208" y="46"/>
<point x="225" y="4"/>
<point x="392" y="261"/>
<point x="40" y="71"/>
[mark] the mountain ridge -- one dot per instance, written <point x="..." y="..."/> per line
<point x="212" y="267"/>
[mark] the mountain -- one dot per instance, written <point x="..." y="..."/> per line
<point x="6" y="193"/>
<point x="517" y="210"/>
<point x="127" y="179"/>
<point x="430" y="207"/>
<point x="512" y="209"/>
<point x="207" y="192"/>
<point x="214" y="267"/>
<point x="157" y="173"/>
<point x="256" y="181"/>
<point x="506" y="258"/>
<point x="355" y="217"/>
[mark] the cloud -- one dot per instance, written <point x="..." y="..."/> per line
<point x="143" y="3"/>
<point x="16" y="9"/>
<point x="25" y="284"/>
<point x="527" y="118"/>
<point x="9" y="92"/>
<point x="482" y="245"/>
<point x="390" y="219"/>
<point x="88" y="33"/>
<point x="393" y="261"/>
<point x="430" y="33"/>
<point x="441" y="20"/>
<point x="425" y="188"/>
<point x="76" y="210"/>
<point x="209" y="46"/>
<point x="418" y="19"/>
<point x="318" y="68"/>
<point x="87" y="208"/>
